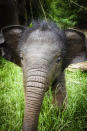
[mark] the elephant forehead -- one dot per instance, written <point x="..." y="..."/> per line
<point x="42" y="41"/>
<point x="42" y="35"/>
<point x="45" y="41"/>
<point x="39" y="47"/>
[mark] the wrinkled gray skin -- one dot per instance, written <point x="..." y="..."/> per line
<point x="43" y="51"/>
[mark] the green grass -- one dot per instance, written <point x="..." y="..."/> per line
<point x="11" y="97"/>
<point x="71" y="118"/>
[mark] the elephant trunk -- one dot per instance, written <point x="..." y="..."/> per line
<point x="35" y="83"/>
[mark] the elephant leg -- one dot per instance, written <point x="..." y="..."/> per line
<point x="59" y="91"/>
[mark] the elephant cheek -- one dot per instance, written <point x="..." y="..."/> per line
<point x="35" y="83"/>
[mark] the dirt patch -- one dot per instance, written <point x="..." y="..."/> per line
<point x="82" y="65"/>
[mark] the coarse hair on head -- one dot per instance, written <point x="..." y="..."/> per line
<point x="43" y="25"/>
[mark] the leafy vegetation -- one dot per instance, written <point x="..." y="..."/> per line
<point x="60" y="12"/>
<point x="73" y="117"/>
<point x="66" y="13"/>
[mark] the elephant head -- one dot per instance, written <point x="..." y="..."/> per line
<point x="43" y="51"/>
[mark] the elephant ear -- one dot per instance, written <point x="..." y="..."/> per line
<point x="11" y="36"/>
<point x="2" y="40"/>
<point x="76" y="47"/>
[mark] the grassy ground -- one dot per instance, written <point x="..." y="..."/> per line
<point x="71" y="118"/>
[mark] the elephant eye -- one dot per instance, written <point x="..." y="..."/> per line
<point x="58" y="59"/>
<point x="21" y="56"/>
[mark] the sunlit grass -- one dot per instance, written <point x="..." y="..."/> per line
<point x="11" y="97"/>
<point x="71" y="118"/>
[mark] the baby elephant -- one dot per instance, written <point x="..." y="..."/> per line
<point x="43" y="51"/>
